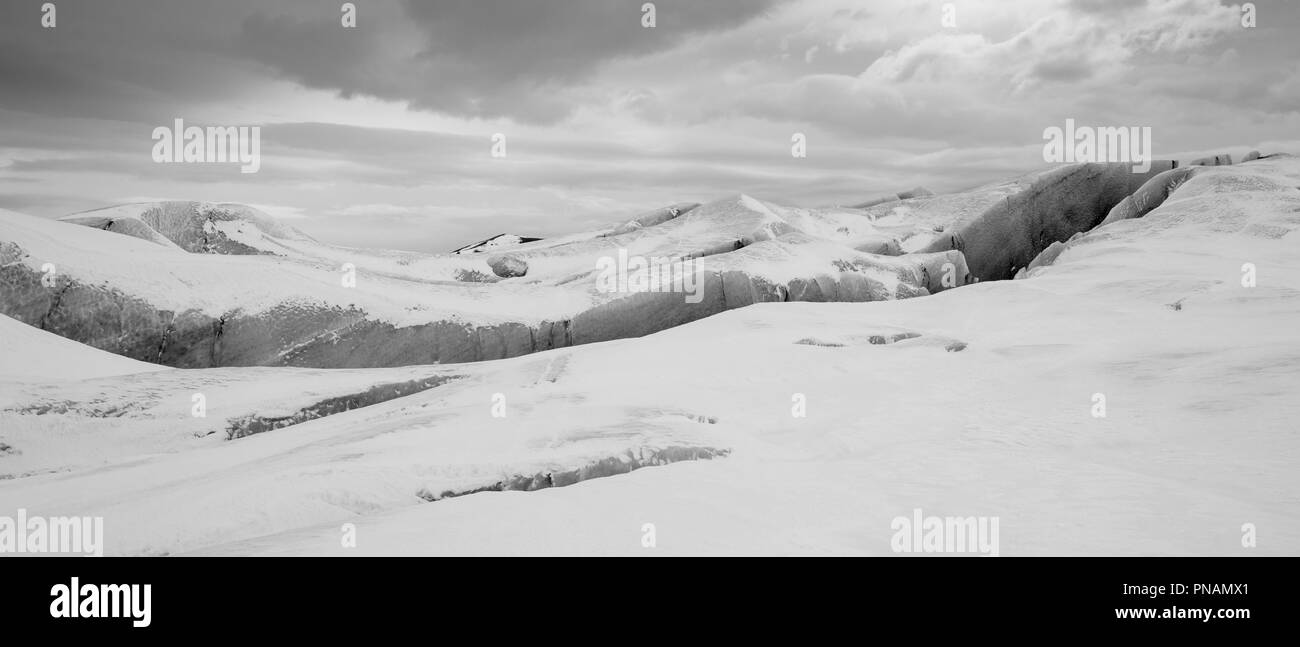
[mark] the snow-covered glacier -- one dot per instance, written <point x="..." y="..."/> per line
<point x="826" y="384"/>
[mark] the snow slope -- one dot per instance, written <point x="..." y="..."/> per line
<point x="977" y="401"/>
<point x="30" y="353"/>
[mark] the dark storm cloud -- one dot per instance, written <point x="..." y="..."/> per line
<point x="478" y="58"/>
<point x="116" y="60"/>
<point x="474" y="58"/>
<point x="1105" y="6"/>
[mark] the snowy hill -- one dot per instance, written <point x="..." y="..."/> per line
<point x="979" y="400"/>
<point x="198" y="227"/>
<point x="268" y="295"/>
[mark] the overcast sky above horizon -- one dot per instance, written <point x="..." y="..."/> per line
<point x="380" y="136"/>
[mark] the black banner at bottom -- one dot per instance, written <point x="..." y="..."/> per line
<point x="155" y="597"/>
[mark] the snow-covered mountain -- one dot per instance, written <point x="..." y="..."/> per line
<point x="198" y="227"/>
<point x="497" y="243"/>
<point x="980" y="400"/>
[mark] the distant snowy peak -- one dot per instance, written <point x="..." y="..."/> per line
<point x="500" y="242"/>
<point x="197" y="227"/>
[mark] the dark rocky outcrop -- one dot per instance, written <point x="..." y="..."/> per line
<point x="507" y="266"/>
<point x="487" y="244"/>
<point x="1058" y="204"/>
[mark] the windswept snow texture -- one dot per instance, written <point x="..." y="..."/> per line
<point x="976" y="401"/>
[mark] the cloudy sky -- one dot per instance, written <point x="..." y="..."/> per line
<point x="381" y="135"/>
